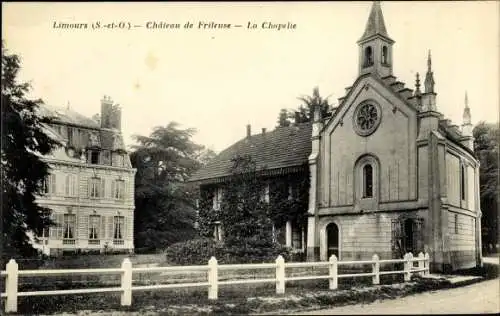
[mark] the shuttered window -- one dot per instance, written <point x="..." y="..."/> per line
<point x="94" y="226"/>
<point x="97" y="187"/>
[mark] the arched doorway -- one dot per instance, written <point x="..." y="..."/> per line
<point x="332" y="241"/>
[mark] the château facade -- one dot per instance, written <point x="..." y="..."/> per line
<point x="90" y="189"/>
<point x="389" y="174"/>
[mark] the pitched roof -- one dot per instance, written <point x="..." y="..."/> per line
<point x="375" y="24"/>
<point x="281" y="148"/>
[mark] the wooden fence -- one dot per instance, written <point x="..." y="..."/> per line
<point x="12" y="274"/>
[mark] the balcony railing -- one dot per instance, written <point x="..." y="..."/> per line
<point x="69" y="242"/>
<point x="118" y="242"/>
<point x="94" y="242"/>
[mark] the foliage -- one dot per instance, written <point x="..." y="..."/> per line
<point x="243" y="206"/>
<point x="199" y="251"/>
<point x="486" y="138"/>
<point x="247" y="219"/>
<point x="193" y="252"/>
<point x="305" y="111"/>
<point x="165" y="210"/>
<point x="23" y="143"/>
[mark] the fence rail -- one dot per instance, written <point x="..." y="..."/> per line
<point x="12" y="274"/>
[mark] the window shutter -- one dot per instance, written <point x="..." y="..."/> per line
<point x="67" y="185"/>
<point x="129" y="227"/>
<point x="83" y="226"/>
<point x="89" y="187"/>
<point x="76" y="187"/>
<point x="125" y="190"/>
<point x="54" y="188"/>
<point x="110" y="227"/>
<point x="53" y="229"/>
<point x="60" y="227"/>
<point x="113" y="188"/>
<point x="102" y="230"/>
<point x="103" y="187"/>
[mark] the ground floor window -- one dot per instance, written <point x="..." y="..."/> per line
<point x="407" y="236"/>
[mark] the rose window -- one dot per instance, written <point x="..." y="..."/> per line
<point x="366" y="119"/>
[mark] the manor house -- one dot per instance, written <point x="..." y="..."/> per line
<point x="389" y="174"/>
<point x="90" y="189"/>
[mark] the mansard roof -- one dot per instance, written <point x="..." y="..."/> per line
<point x="68" y="116"/>
<point x="106" y="138"/>
<point x="285" y="148"/>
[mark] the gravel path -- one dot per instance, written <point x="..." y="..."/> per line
<point x="482" y="297"/>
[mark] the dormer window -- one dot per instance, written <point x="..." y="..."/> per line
<point x="94" y="157"/>
<point x="368" y="57"/>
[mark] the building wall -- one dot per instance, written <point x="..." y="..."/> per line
<point x="82" y="205"/>
<point x="362" y="236"/>
<point x="462" y="236"/>
<point x="392" y="143"/>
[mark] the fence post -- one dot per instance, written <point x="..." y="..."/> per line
<point x="333" y="267"/>
<point x="126" y="297"/>
<point x="421" y="263"/>
<point x="407" y="267"/>
<point x="427" y="264"/>
<point x="280" y="275"/>
<point x="213" y="276"/>
<point x="376" y="269"/>
<point x="11" y="286"/>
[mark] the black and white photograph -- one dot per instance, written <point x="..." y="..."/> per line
<point x="250" y="158"/>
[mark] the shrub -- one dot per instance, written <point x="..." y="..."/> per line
<point x="199" y="251"/>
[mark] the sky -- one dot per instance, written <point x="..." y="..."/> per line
<point x="219" y="80"/>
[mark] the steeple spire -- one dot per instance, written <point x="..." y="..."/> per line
<point x="375" y="24"/>
<point x="429" y="76"/>
<point x="466" y="117"/>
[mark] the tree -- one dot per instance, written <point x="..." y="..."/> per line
<point x="486" y="137"/>
<point x="306" y="109"/>
<point x="165" y="210"/>
<point x="24" y="142"/>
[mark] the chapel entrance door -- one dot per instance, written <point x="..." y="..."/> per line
<point x="332" y="232"/>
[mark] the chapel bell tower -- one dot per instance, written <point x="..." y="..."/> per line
<point x="375" y="46"/>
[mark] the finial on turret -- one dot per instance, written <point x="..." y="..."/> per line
<point x="417" y="85"/>
<point x="429" y="76"/>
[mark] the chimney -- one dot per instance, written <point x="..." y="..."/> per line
<point x="249" y="131"/>
<point x="263" y="131"/>
<point x="106" y="109"/>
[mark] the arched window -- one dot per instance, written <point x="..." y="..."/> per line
<point x="384" y="55"/>
<point x="367" y="181"/>
<point x="368" y="56"/>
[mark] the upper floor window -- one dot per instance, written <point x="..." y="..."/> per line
<point x="385" y="59"/>
<point x="118" y="189"/>
<point x="368" y="57"/>
<point x="462" y="182"/>
<point x="94" y="223"/>
<point x="49" y="184"/>
<point x="368" y="181"/>
<point x="71" y="185"/>
<point x="96" y="187"/>
<point x="119" y="223"/>
<point x="69" y="226"/>
<point x="217" y="198"/>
